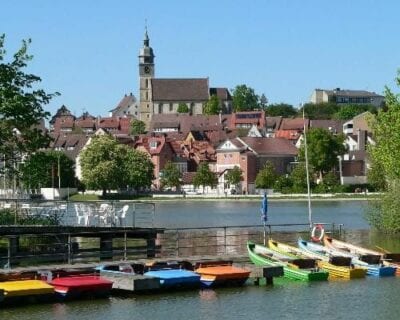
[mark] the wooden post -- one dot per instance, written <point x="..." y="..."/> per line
<point x="69" y="250"/>
<point x="13" y="248"/>
<point x="151" y="248"/>
<point x="106" y="246"/>
<point x="125" y="246"/>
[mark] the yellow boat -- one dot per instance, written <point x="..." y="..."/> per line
<point x="335" y="265"/>
<point x="23" y="288"/>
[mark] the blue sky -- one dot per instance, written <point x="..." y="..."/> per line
<point x="87" y="50"/>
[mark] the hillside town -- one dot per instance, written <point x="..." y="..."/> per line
<point x="177" y="130"/>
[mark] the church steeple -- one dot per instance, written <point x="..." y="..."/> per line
<point x="146" y="73"/>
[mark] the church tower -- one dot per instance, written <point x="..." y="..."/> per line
<point x="146" y="73"/>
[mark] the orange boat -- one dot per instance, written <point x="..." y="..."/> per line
<point x="220" y="273"/>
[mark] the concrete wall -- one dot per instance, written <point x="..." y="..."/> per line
<point x="53" y="194"/>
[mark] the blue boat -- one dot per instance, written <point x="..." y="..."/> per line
<point x="361" y="257"/>
<point x="174" y="275"/>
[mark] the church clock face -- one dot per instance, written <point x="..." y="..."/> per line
<point x="146" y="69"/>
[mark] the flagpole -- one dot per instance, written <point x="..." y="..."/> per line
<point x="307" y="173"/>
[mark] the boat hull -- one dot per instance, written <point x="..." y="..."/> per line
<point x="345" y="272"/>
<point x="373" y="269"/>
<point x="226" y="275"/>
<point x="175" y="278"/>
<point x="81" y="286"/>
<point x="289" y="272"/>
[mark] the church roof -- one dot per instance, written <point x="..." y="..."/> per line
<point x="184" y="90"/>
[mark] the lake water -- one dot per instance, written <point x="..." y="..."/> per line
<point x="369" y="298"/>
<point x="192" y="214"/>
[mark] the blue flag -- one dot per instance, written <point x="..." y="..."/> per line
<point x="264" y="208"/>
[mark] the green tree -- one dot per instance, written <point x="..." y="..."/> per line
<point x="102" y="163"/>
<point x="138" y="127"/>
<point x="349" y="111"/>
<point x="171" y="176"/>
<point x="42" y="170"/>
<point x="316" y="111"/>
<point x="204" y="177"/>
<point x="376" y="176"/>
<point x="298" y="178"/>
<point x="139" y="168"/>
<point x="281" y="109"/>
<point x="21" y="106"/>
<point x="384" y="213"/>
<point x="213" y="106"/>
<point x="244" y="98"/>
<point x="234" y="176"/>
<point x="266" y="177"/>
<point x="323" y="150"/>
<point x="108" y="165"/>
<point x="183" y="108"/>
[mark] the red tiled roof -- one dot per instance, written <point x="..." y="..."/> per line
<point x="288" y="134"/>
<point x="293" y="124"/>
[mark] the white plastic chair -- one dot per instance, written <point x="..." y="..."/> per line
<point x="121" y="215"/>
<point x="81" y="214"/>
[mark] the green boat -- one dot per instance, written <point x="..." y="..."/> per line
<point x="294" y="269"/>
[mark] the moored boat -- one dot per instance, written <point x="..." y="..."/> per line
<point x="294" y="269"/>
<point x="361" y="257"/>
<point x="174" y="274"/>
<point x="338" y="265"/>
<point x="26" y="290"/>
<point x="220" y="273"/>
<point x="81" y="286"/>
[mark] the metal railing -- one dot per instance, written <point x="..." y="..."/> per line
<point x="67" y="213"/>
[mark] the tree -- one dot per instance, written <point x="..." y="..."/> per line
<point x="316" y="111"/>
<point x="204" y="177"/>
<point x="349" y="111"/>
<point x="21" y="106"/>
<point x="43" y="169"/>
<point x="102" y="163"/>
<point x="234" y="176"/>
<point x="108" y="165"/>
<point x="281" y="109"/>
<point x="183" y="108"/>
<point x="244" y="98"/>
<point x="139" y="168"/>
<point x="213" y="106"/>
<point x="267" y="177"/>
<point x="138" y="127"/>
<point x="171" y="176"/>
<point x="323" y="150"/>
<point x="384" y="213"/>
<point x="298" y="178"/>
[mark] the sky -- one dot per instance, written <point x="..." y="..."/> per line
<point x="88" y="50"/>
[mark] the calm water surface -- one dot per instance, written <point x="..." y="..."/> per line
<point x="365" y="299"/>
<point x="188" y="214"/>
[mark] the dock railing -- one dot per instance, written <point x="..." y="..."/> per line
<point x="68" y="213"/>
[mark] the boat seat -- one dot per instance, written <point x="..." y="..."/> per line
<point x="340" y="261"/>
<point x="393" y="257"/>
<point x="304" y="263"/>
<point x="212" y="263"/>
<point x="371" y="258"/>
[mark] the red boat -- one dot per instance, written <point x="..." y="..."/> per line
<point x="81" y="285"/>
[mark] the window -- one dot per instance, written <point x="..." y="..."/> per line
<point x="147" y="83"/>
<point x="147" y="95"/>
<point x="153" y="144"/>
<point x="171" y="107"/>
